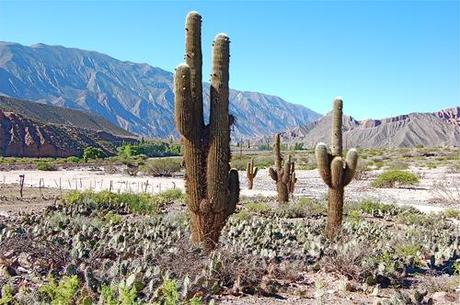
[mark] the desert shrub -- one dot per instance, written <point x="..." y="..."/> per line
<point x="257" y="207"/>
<point x="72" y="159"/>
<point x="6" y="295"/>
<point x="150" y="149"/>
<point x="112" y="218"/>
<point x="169" y="196"/>
<point x="161" y="167"/>
<point x="302" y="207"/>
<point x="398" y="165"/>
<point x="63" y="292"/>
<point x="391" y="178"/>
<point x="93" y="153"/>
<point x="416" y="218"/>
<point x="137" y="203"/>
<point x="451" y="213"/>
<point x="446" y="191"/>
<point x="240" y="163"/>
<point x="375" y="208"/>
<point x="263" y="161"/>
<point x="45" y="166"/>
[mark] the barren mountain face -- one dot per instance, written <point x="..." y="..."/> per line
<point x="440" y="128"/>
<point x="136" y="97"/>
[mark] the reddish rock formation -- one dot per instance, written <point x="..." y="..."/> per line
<point x="22" y="137"/>
<point x="450" y="115"/>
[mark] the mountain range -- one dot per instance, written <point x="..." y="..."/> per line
<point x="136" y="97"/>
<point x="440" y="128"/>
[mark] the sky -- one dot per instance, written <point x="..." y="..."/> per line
<point x="383" y="58"/>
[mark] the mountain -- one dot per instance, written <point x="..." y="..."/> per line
<point x="59" y="115"/>
<point x="136" y="97"/>
<point x="28" y="129"/>
<point x="440" y="128"/>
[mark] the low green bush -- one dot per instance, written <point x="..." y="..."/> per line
<point x="161" y="167"/>
<point x="137" y="203"/>
<point x="451" y="213"/>
<point x="72" y="159"/>
<point x="93" y="153"/>
<point x="63" y="292"/>
<point x="391" y="178"/>
<point x="45" y="166"/>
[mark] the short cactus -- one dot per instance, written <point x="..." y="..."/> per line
<point x="335" y="171"/>
<point x="251" y="173"/>
<point x="212" y="187"/>
<point x="282" y="173"/>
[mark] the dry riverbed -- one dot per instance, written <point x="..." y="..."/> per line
<point x="437" y="190"/>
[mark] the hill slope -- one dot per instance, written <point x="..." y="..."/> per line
<point x="59" y="115"/>
<point x="136" y="97"/>
<point x="53" y="131"/>
<point x="428" y="129"/>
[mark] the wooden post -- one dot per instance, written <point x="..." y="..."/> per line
<point x="21" y="184"/>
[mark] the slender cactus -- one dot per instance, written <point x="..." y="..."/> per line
<point x="212" y="187"/>
<point x="335" y="171"/>
<point x="293" y="178"/>
<point x="251" y="173"/>
<point x="282" y="173"/>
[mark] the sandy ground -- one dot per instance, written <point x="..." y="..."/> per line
<point x="423" y="196"/>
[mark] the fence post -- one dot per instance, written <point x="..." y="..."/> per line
<point x="21" y="184"/>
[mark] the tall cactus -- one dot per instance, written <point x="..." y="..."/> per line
<point x="335" y="171"/>
<point x="212" y="187"/>
<point x="282" y="173"/>
<point x="251" y="173"/>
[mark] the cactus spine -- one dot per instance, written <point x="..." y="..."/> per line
<point x="251" y="173"/>
<point x="282" y="173"/>
<point x="212" y="187"/>
<point x="335" y="171"/>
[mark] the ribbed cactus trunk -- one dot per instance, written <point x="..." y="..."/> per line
<point x="212" y="188"/>
<point x="281" y="173"/>
<point x="251" y="172"/>
<point x="335" y="171"/>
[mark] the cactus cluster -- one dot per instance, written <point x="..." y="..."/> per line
<point x="335" y="171"/>
<point x="251" y="172"/>
<point x="283" y="173"/>
<point x="212" y="187"/>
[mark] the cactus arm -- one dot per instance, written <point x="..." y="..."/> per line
<point x="219" y="127"/>
<point x="233" y="191"/>
<point x="277" y="152"/>
<point x="336" y="137"/>
<point x="273" y="174"/>
<point x="323" y="160"/>
<point x="184" y="109"/>
<point x="351" y="165"/>
<point x="193" y="58"/>
<point x="286" y="177"/>
<point x="336" y="172"/>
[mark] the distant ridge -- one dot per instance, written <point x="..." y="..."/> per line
<point x="440" y="128"/>
<point x="136" y="97"/>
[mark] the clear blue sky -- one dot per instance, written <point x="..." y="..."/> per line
<point x="383" y="57"/>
